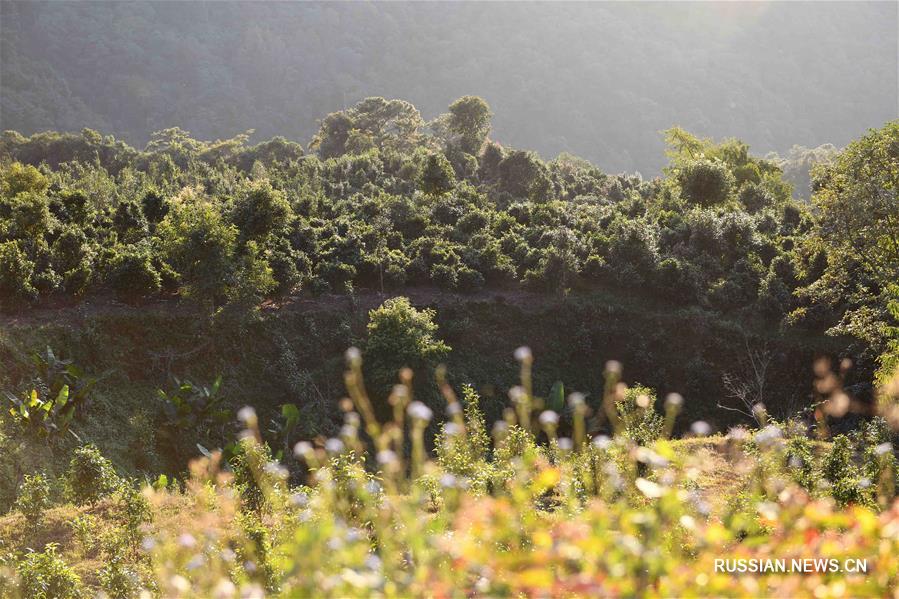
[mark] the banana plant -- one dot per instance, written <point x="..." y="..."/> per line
<point x="556" y="399"/>
<point x="194" y="407"/>
<point x="43" y="417"/>
<point x="58" y="374"/>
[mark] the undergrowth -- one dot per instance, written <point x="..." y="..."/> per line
<point x="592" y="499"/>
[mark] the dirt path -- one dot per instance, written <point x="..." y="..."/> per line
<point x="73" y="311"/>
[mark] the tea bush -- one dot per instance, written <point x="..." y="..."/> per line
<point x="90" y="476"/>
<point x="118" y="580"/>
<point x="399" y="336"/>
<point x="639" y="420"/>
<point x="44" y="575"/>
<point x="84" y="529"/>
<point x="357" y="212"/>
<point x="33" y="497"/>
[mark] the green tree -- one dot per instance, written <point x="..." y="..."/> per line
<point x="16" y="271"/>
<point x="401" y="336"/>
<point x="200" y="245"/>
<point x="90" y="476"/>
<point x="470" y="120"/>
<point x="373" y="122"/>
<point x="519" y="171"/>
<point x="29" y="215"/>
<point x="129" y="222"/>
<point x="18" y="178"/>
<point x="705" y="182"/>
<point x="45" y="575"/>
<point x="261" y="210"/>
<point x="436" y="175"/>
<point x="856" y="197"/>
<point x="132" y="274"/>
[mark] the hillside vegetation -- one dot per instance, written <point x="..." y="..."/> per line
<point x="150" y="295"/>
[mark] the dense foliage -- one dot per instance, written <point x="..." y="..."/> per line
<point x="857" y="227"/>
<point x="581" y="494"/>
<point x="389" y="201"/>
<point x="386" y="201"/>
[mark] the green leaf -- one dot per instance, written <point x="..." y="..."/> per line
<point x="63" y="397"/>
<point x="556" y="400"/>
<point x="291" y="415"/>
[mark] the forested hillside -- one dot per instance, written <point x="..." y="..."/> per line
<point x="449" y="299"/>
<point x="383" y="204"/>
<point x="149" y="294"/>
<point x="596" y="80"/>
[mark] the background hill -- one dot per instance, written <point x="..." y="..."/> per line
<point x="598" y="80"/>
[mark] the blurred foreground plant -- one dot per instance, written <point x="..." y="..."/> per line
<point x="528" y="512"/>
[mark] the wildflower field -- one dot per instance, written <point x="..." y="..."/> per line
<point x="535" y="506"/>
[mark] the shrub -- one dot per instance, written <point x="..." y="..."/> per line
<point x="76" y="207"/>
<point x="518" y="172"/>
<point x="33" y="496"/>
<point x="154" y="206"/>
<point x="45" y="575"/>
<point x="129" y="222"/>
<point x="261" y="210"/>
<point x="118" y="579"/>
<point x="135" y="508"/>
<point x="252" y="479"/>
<point x="754" y="197"/>
<point x="290" y="267"/>
<point x="30" y="215"/>
<point x="556" y="270"/>
<point x="69" y="250"/>
<point x="470" y="279"/>
<point x="843" y="475"/>
<point x="880" y="467"/>
<point x="633" y="251"/>
<point x="464" y="452"/>
<point x="90" y="476"/>
<point x="516" y="445"/>
<point x="639" y="420"/>
<point x="489" y="161"/>
<point x="201" y="246"/>
<point x="800" y="462"/>
<point x="400" y="336"/>
<point x="16" y="271"/>
<point x="132" y="274"/>
<point x="445" y="276"/>
<point x="676" y="280"/>
<point x="705" y="182"/>
<point x="18" y="178"/>
<point x="436" y="176"/>
<point x="84" y="529"/>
